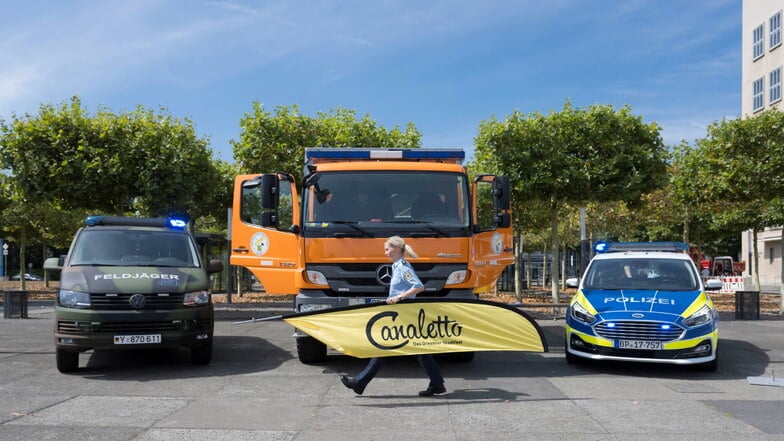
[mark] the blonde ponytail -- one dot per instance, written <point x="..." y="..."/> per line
<point x="398" y="242"/>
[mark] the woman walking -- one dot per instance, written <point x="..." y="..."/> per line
<point x="404" y="285"/>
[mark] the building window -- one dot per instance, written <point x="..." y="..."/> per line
<point x="759" y="41"/>
<point x="759" y="94"/>
<point x="775" y="85"/>
<point x="772" y="252"/>
<point x="775" y="30"/>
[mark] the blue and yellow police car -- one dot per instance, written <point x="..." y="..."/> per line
<point x="643" y="302"/>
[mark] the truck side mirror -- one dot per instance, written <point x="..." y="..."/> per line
<point x="503" y="220"/>
<point x="501" y="199"/>
<point x="269" y="191"/>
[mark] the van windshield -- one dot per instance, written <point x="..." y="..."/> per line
<point x="134" y="248"/>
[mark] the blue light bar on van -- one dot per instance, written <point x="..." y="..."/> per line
<point x="171" y="223"/>
<point x="610" y="247"/>
<point x="452" y="155"/>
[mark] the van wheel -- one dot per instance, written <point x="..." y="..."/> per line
<point x="201" y="355"/>
<point x="67" y="361"/>
<point x="310" y="350"/>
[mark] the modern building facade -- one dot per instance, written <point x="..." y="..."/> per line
<point x="762" y="67"/>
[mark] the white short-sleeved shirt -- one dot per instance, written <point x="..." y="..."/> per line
<point x="403" y="278"/>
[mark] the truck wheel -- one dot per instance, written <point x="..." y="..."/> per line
<point x="201" y="355"/>
<point x="461" y="357"/>
<point x="67" y="361"/>
<point x="310" y="350"/>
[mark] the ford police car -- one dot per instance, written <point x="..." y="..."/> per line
<point x="132" y="283"/>
<point x="643" y="302"/>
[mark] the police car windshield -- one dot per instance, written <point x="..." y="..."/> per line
<point x="641" y="274"/>
<point x="112" y="247"/>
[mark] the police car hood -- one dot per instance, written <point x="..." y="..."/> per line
<point x="146" y="279"/>
<point x="666" y="302"/>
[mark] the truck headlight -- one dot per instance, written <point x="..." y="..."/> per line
<point x="702" y="316"/>
<point x="316" y="277"/>
<point x="456" y="277"/>
<point x="196" y="298"/>
<point x="73" y="299"/>
<point x="581" y="314"/>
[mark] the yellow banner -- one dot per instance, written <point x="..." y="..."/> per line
<point x="423" y="326"/>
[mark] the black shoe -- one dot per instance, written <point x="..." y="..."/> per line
<point x="430" y="391"/>
<point x="352" y="384"/>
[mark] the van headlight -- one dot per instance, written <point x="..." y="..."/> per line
<point x="196" y="298"/>
<point x="73" y="299"/>
<point x="702" y="316"/>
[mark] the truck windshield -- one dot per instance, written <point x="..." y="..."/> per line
<point x="641" y="273"/>
<point x="133" y="248"/>
<point x="366" y="202"/>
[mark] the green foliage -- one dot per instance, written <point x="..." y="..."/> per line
<point x="271" y="143"/>
<point x="140" y="161"/>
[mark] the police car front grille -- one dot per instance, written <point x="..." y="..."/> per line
<point x="123" y="301"/>
<point x="638" y="330"/>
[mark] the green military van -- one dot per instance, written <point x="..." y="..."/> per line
<point x="132" y="283"/>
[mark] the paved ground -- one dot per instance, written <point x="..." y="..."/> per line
<point x="256" y="389"/>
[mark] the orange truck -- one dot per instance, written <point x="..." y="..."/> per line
<point x="322" y="239"/>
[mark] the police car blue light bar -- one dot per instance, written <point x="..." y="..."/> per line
<point x="172" y="223"/>
<point x="405" y="154"/>
<point x="610" y="247"/>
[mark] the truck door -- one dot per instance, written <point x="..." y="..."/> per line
<point x="492" y="248"/>
<point x="265" y="230"/>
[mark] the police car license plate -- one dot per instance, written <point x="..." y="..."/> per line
<point x="137" y="339"/>
<point x="639" y="344"/>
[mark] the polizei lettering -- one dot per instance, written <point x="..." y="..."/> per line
<point x="396" y="336"/>
<point x="650" y="300"/>
<point x="136" y="276"/>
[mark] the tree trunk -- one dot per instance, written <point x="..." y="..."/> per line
<point x="756" y="260"/>
<point x="555" y="248"/>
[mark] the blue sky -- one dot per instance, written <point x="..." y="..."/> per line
<point x="444" y="65"/>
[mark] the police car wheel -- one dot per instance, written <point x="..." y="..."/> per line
<point x="310" y="350"/>
<point x="201" y="355"/>
<point x="67" y="361"/>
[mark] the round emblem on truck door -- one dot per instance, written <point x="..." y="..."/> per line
<point x="384" y="274"/>
<point x="137" y="301"/>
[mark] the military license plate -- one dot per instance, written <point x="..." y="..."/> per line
<point x="639" y="344"/>
<point x="137" y="339"/>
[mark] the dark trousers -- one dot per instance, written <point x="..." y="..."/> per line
<point x="427" y="361"/>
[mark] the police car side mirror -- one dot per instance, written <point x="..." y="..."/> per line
<point x="713" y="284"/>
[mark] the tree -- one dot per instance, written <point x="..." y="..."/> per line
<point x="574" y="156"/>
<point x="139" y="161"/>
<point x="741" y="164"/>
<point x="270" y="143"/>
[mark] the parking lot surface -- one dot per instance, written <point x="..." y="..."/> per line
<point x="256" y="389"/>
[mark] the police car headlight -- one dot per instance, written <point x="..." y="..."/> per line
<point x="196" y="298"/>
<point x="456" y="277"/>
<point x="581" y="314"/>
<point x="73" y="299"/>
<point x="698" y="318"/>
<point x="316" y="277"/>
